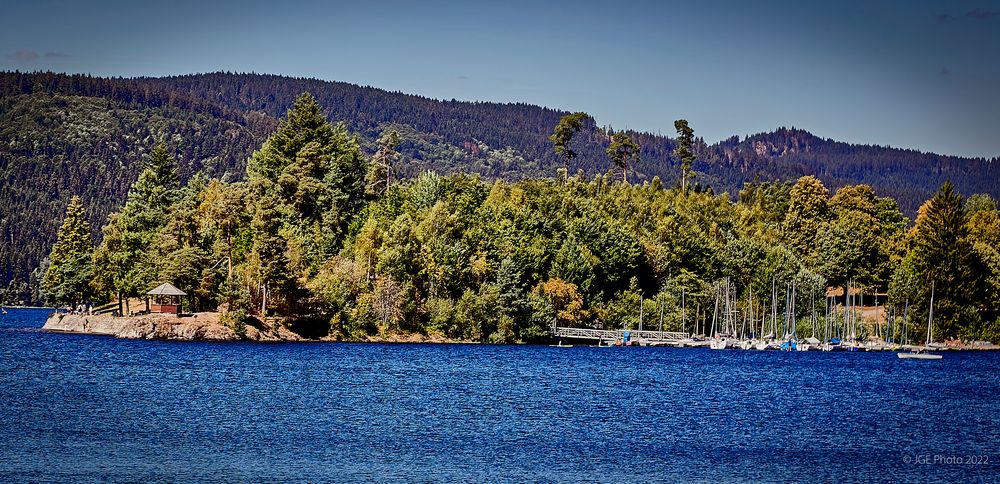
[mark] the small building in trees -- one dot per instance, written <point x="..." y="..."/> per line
<point x="165" y="299"/>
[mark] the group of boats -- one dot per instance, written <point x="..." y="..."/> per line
<point x="785" y="344"/>
<point x="752" y="329"/>
<point x="838" y="335"/>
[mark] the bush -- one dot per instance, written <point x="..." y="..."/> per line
<point x="237" y="320"/>
<point x="440" y="315"/>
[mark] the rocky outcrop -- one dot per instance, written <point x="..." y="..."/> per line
<point x="198" y="327"/>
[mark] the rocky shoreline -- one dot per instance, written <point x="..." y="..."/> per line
<point x="196" y="327"/>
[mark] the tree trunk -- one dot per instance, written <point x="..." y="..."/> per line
<point x="263" y="301"/>
<point x="229" y="276"/>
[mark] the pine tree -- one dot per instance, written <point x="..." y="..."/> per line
<point x="123" y="254"/>
<point x="67" y="280"/>
<point x="223" y="212"/>
<point x="684" y="151"/>
<point x="380" y="173"/>
<point x="308" y="183"/>
<point x="943" y="256"/>
<point x="158" y="183"/>
<point x="268" y="257"/>
<point x="563" y="133"/>
<point x="621" y="149"/>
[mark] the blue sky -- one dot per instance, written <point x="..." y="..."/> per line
<point x="911" y="74"/>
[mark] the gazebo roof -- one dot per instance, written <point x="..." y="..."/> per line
<point x="166" y="289"/>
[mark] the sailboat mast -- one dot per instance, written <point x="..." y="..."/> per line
<point x="683" y="312"/>
<point x="930" y="316"/>
<point x="659" y="303"/>
<point x="715" y="311"/>
<point x="774" y="306"/>
<point x="729" y="312"/>
<point x="792" y="313"/>
<point x="784" y="324"/>
<point x="906" y="321"/>
<point x="812" y="302"/>
<point x="826" y="318"/>
<point x="847" y="310"/>
<point x="641" y="301"/>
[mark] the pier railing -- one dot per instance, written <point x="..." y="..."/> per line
<point x="616" y="334"/>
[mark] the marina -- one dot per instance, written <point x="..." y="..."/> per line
<point x="839" y="328"/>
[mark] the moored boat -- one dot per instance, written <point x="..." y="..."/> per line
<point x="918" y="356"/>
<point x="919" y="353"/>
<point x="719" y="344"/>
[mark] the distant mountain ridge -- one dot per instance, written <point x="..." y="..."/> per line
<point x="63" y="135"/>
<point x="909" y="176"/>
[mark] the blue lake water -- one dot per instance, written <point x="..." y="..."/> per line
<point x="83" y="408"/>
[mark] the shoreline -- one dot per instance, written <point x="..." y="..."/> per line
<point x="206" y="327"/>
<point x="197" y="327"/>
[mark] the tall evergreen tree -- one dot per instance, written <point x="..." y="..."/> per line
<point x="621" y="149"/>
<point x="563" y="133"/>
<point x="380" y="172"/>
<point x="308" y="180"/>
<point x="684" y="151"/>
<point x="943" y="256"/>
<point x="67" y="280"/>
<point x="129" y="233"/>
<point x="224" y="217"/>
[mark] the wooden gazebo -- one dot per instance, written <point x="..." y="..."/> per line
<point x="166" y="299"/>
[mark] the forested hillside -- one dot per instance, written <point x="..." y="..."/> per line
<point x="57" y="144"/>
<point x="908" y="176"/>
<point x="64" y="135"/>
<point x="319" y="239"/>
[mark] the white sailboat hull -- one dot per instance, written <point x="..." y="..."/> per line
<point x="918" y="356"/>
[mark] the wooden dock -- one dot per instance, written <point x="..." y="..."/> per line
<point x="616" y="334"/>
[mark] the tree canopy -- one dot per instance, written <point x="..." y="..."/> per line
<point x="622" y="149"/>
<point x="67" y="280"/>
<point x="563" y="133"/>
<point x="302" y="243"/>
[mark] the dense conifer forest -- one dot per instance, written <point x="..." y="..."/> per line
<point x="66" y="135"/>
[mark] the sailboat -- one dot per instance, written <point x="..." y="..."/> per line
<point x="918" y="354"/>
<point x="719" y="341"/>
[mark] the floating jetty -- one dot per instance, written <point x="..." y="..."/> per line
<point x="625" y="337"/>
<point x="638" y="338"/>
